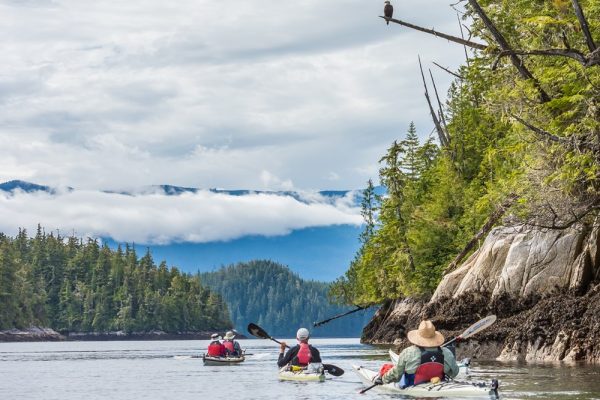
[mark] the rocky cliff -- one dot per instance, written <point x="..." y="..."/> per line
<point x="544" y="285"/>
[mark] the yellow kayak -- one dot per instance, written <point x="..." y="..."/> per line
<point x="301" y="375"/>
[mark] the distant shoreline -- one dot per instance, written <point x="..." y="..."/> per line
<point x="36" y="334"/>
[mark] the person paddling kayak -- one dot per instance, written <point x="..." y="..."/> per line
<point x="215" y="347"/>
<point x="232" y="347"/>
<point x="425" y="361"/>
<point x="300" y="355"/>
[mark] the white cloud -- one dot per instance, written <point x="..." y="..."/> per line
<point x="155" y="218"/>
<point x="203" y="93"/>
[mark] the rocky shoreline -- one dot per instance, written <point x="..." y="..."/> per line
<point x="563" y="327"/>
<point x="36" y="334"/>
<point x="32" y="334"/>
<point x="544" y="287"/>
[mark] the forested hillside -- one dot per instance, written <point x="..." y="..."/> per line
<point x="71" y="285"/>
<point x="271" y="295"/>
<point x="519" y="139"/>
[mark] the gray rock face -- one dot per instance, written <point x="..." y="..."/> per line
<point x="520" y="262"/>
<point x="544" y="285"/>
<point x="32" y="334"/>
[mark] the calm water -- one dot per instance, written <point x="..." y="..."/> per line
<point x="164" y="370"/>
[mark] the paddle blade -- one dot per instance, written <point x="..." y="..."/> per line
<point x="257" y="331"/>
<point x="478" y="326"/>
<point x="333" y="370"/>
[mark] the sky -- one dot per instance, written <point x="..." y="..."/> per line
<point x="304" y="95"/>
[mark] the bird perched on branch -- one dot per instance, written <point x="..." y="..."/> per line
<point x="388" y="11"/>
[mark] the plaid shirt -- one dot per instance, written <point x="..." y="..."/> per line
<point x="410" y="359"/>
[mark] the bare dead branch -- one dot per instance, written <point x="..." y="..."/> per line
<point x="451" y="38"/>
<point x="448" y="71"/>
<point x="489" y="224"/>
<point x="570" y="53"/>
<point x="440" y="108"/>
<point x="436" y="121"/>
<point x="541" y="132"/>
<point x="573" y="144"/>
<point x="462" y="35"/>
<point x="584" y="26"/>
<point x="575" y="218"/>
<point x="565" y="40"/>
<point x="504" y="46"/>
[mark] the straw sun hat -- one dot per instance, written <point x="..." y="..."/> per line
<point x="426" y="335"/>
<point x="229" y="335"/>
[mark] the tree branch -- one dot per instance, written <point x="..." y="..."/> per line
<point x="584" y="26"/>
<point x="567" y="224"/>
<point x="504" y="46"/>
<point x="441" y="110"/>
<point x="451" y="38"/>
<point x="541" y="132"/>
<point x="448" y="71"/>
<point x="462" y="35"/>
<point x="570" y="53"/>
<point x="436" y="121"/>
<point x="573" y="143"/>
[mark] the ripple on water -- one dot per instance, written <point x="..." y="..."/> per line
<point x="168" y="370"/>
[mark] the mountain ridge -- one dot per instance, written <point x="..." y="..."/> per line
<point x="279" y="300"/>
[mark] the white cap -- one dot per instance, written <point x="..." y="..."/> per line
<point x="302" y="334"/>
<point x="214" y="336"/>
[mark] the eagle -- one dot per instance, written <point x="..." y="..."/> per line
<point x="388" y="11"/>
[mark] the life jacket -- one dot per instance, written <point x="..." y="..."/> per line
<point x="229" y="346"/>
<point x="216" y="349"/>
<point x="304" y="355"/>
<point x="432" y="365"/>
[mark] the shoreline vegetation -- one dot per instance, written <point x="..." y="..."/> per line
<point x="70" y="285"/>
<point x="38" y="334"/>
<point x="501" y="215"/>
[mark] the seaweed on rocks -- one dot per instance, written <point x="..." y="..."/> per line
<point x="562" y="326"/>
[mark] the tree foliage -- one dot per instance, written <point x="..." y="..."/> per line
<point x="71" y="285"/>
<point x="269" y="294"/>
<point x="522" y="121"/>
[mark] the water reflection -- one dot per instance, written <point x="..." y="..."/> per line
<point x="171" y="370"/>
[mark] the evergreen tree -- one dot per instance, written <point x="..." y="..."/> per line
<point x="84" y="287"/>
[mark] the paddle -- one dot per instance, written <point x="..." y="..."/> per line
<point x="470" y="331"/>
<point x="473" y="329"/>
<point x="259" y="332"/>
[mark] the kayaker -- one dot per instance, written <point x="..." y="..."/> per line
<point x="215" y="347"/>
<point x="424" y="362"/>
<point x="232" y="347"/>
<point x="300" y="355"/>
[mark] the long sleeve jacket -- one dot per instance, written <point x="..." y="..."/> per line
<point x="410" y="359"/>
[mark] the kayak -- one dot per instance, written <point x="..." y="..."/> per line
<point x="285" y="374"/>
<point x="208" y="360"/>
<point x="463" y="366"/>
<point x="442" y="389"/>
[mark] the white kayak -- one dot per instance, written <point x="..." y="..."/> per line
<point x="442" y="389"/>
<point x="208" y="360"/>
<point x="463" y="366"/>
<point x="304" y="375"/>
